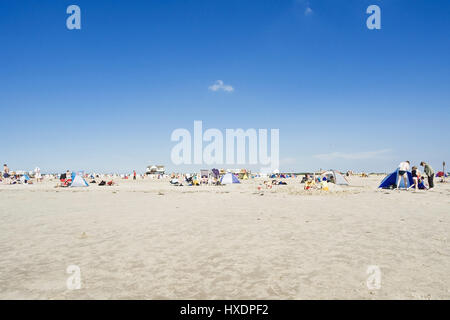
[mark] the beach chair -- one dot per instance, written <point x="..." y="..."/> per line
<point x="204" y="176"/>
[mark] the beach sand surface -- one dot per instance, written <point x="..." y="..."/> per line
<point x="146" y="239"/>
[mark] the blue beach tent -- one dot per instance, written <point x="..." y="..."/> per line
<point x="229" y="178"/>
<point x="391" y="181"/>
<point x="78" y="181"/>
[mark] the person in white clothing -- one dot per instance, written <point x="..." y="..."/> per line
<point x="403" y="169"/>
<point x="37" y="174"/>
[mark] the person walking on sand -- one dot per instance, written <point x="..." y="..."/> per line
<point x="429" y="172"/>
<point x="403" y="169"/>
<point x="134" y="174"/>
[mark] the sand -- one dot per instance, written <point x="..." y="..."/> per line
<point x="146" y="239"/>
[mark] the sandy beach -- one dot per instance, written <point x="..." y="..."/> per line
<point x="146" y="239"/>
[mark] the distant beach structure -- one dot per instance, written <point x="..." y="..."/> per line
<point x="155" y="169"/>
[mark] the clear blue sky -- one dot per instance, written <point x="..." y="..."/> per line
<point x="107" y="97"/>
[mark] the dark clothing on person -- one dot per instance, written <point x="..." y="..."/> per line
<point x="430" y="173"/>
<point x="431" y="181"/>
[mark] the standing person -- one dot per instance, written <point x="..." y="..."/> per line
<point x="37" y="174"/>
<point x="5" y="171"/>
<point x="429" y="172"/>
<point x="134" y="174"/>
<point x="68" y="175"/>
<point x="403" y="169"/>
<point x="5" y="174"/>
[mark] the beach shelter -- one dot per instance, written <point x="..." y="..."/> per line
<point x="390" y="181"/>
<point x="78" y="181"/>
<point x="441" y="174"/>
<point x="335" y="177"/>
<point x="229" y="178"/>
<point x="25" y="178"/>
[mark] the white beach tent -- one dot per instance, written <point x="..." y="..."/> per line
<point x="229" y="178"/>
<point x="338" y="178"/>
<point x="78" y="181"/>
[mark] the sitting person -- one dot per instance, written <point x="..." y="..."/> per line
<point x="195" y="182"/>
<point x="188" y="179"/>
<point x="310" y="183"/>
<point x="104" y="183"/>
<point x="422" y="183"/>
<point x="416" y="177"/>
<point x="268" y="185"/>
<point x="324" y="184"/>
<point x="175" y="182"/>
<point x="331" y="179"/>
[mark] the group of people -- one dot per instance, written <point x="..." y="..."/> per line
<point x="194" y="180"/>
<point x="10" y="177"/>
<point x="418" y="178"/>
<point x="316" y="183"/>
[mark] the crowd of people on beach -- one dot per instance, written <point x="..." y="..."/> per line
<point x="408" y="177"/>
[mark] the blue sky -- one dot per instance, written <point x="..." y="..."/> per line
<point x="107" y="97"/>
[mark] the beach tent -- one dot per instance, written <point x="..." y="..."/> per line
<point x="336" y="177"/>
<point x="25" y="178"/>
<point x="229" y="178"/>
<point x="441" y="174"/>
<point x="390" y="181"/>
<point x="78" y="181"/>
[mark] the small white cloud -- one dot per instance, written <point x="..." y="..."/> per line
<point x="352" y="156"/>
<point x="308" y="11"/>
<point x="219" y="85"/>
